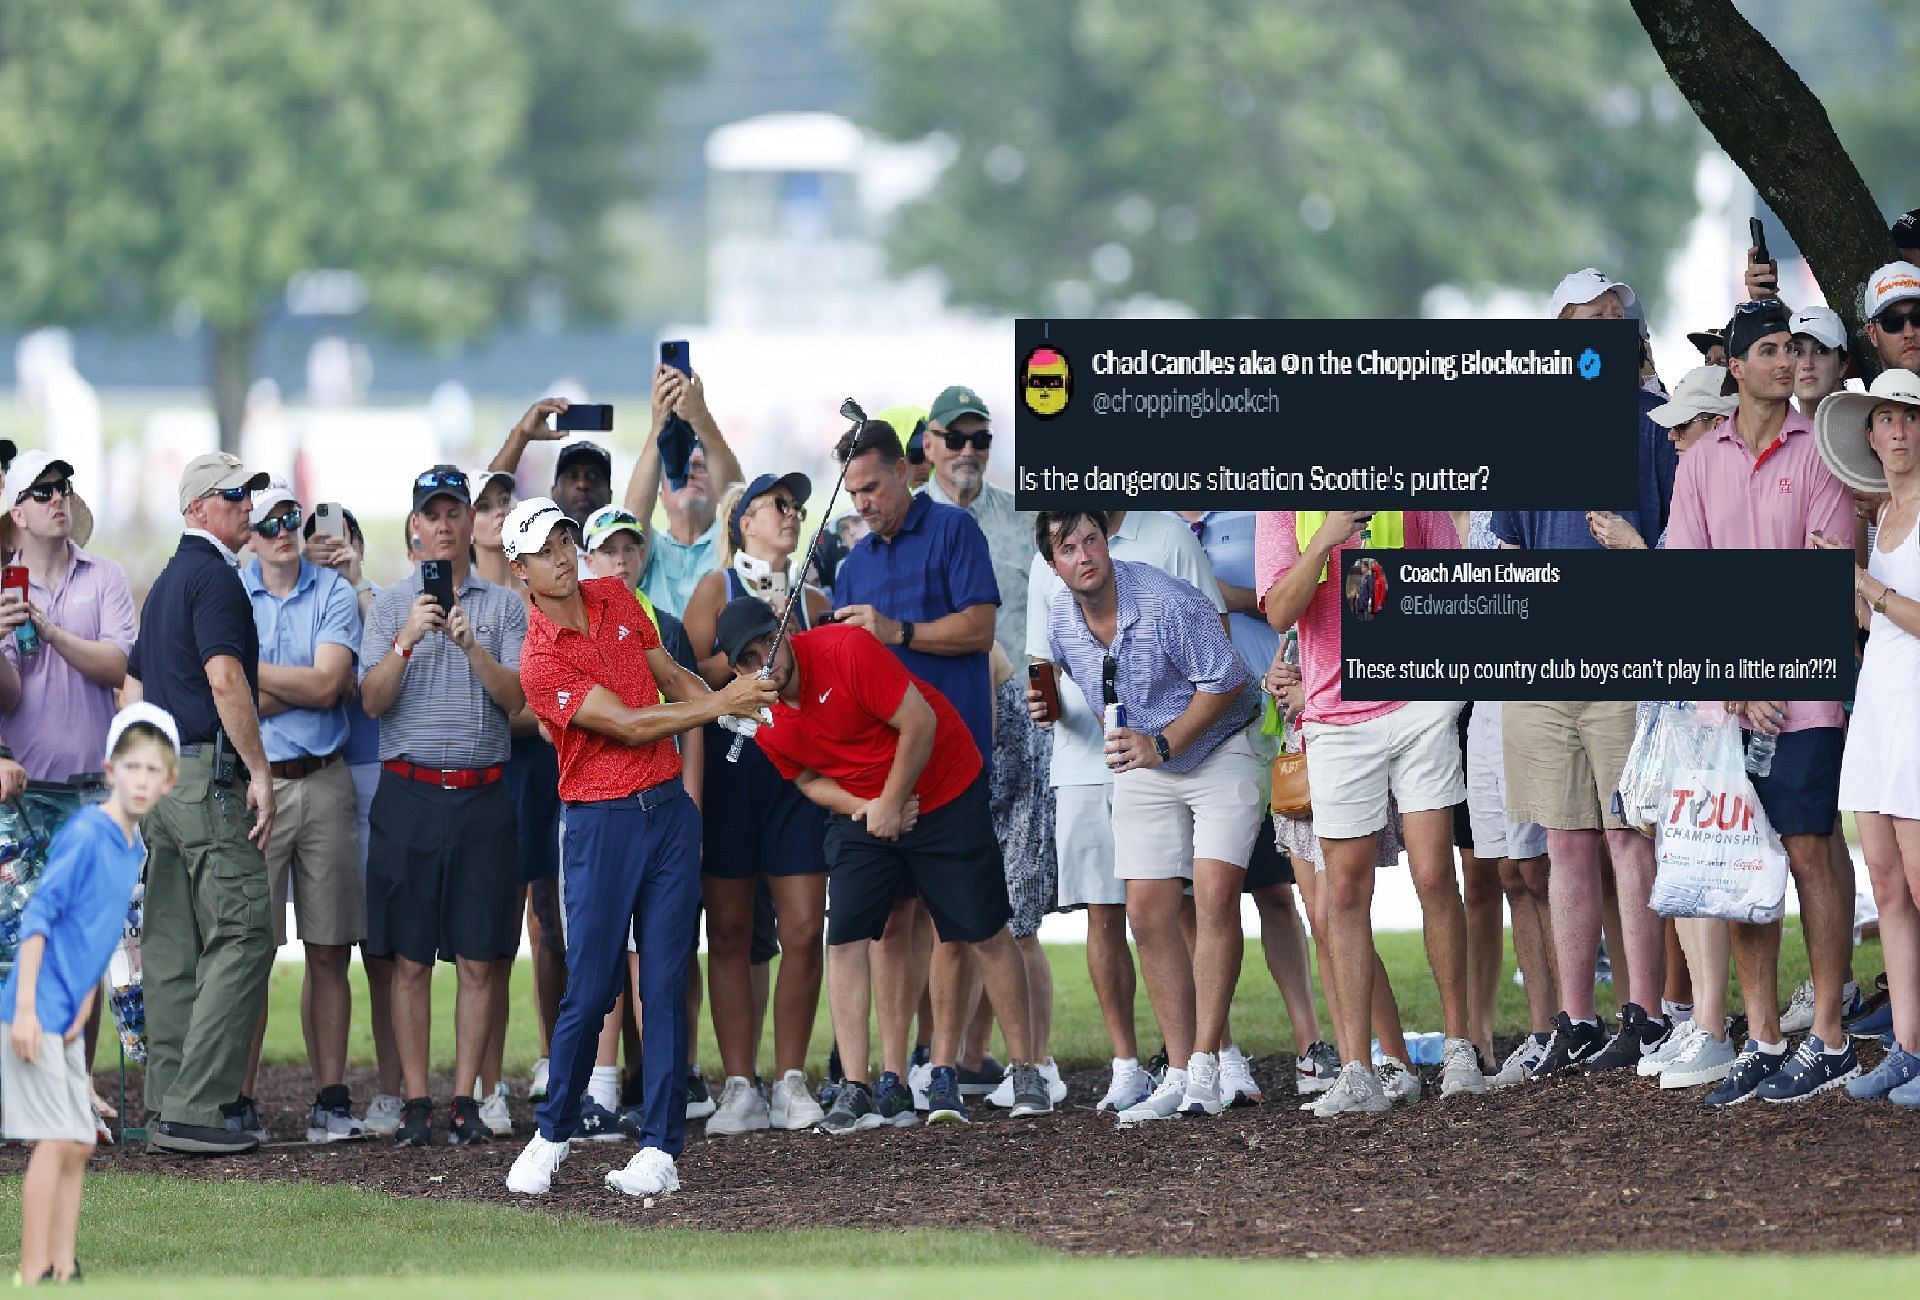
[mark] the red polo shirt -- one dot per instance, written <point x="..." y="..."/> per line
<point x="558" y="667"/>
<point x="850" y="685"/>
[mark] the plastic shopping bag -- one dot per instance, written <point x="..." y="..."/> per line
<point x="1641" y="796"/>
<point x="127" y="986"/>
<point x="1719" y="857"/>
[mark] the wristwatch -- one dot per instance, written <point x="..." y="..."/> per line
<point x="1880" y="606"/>
<point x="906" y="635"/>
<point x="1161" y="748"/>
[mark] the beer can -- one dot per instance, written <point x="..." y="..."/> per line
<point x="1116" y="716"/>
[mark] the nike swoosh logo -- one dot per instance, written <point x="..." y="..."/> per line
<point x="825" y="693"/>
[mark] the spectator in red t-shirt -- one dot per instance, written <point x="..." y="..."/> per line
<point x="890" y="757"/>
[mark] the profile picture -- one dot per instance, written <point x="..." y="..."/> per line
<point x="1366" y="588"/>
<point x="1046" y="382"/>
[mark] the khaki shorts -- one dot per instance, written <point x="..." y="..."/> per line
<point x="315" y="849"/>
<point x="51" y="1098"/>
<point x="1163" y="820"/>
<point x="1563" y="761"/>
<point x="1083" y="844"/>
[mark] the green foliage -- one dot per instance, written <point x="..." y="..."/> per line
<point x="1279" y="157"/>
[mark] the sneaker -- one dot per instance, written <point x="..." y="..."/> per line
<point x="1162" y="1103"/>
<point x="1237" y="1086"/>
<point x="331" y="1119"/>
<point x="1357" y="1089"/>
<point x="649" y="1173"/>
<point x="1461" y="1068"/>
<point x="1571" y="1045"/>
<point x="597" y="1123"/>
<point x="980" y="1082"/>
<point x="494" y="1113"/>
<point x="893" y="1102"/>
<point x="533" y="1169"/>
<point x="199" y="1140"/>
<point x="793" y="1107"/>
<point x="1907" y="1095"/>
<point x="1874" y="1019"/>
<point x="852" y="1110"/>
<point x="1520" y="1062"/>
<point x="944" y="1105"/>
<point x="740" y="1110"/>
<point x="1032" y="1094"/>
<point x="1157" y="1065"/>
<point x="1751" y="1068"/>
<point x="1397" y="1082"/>
<point x="537" y="1089"/>
<point x="699" y="1099"/>
<point x="919" y="1079"/>
<point x="1056" y="1087"/>
<point x="1701" y="1059"/>
<point x="466" y="1128"/>
<point x="1896" y="1068"/>
<point x="1131" y="1085"/>
<point x="1653" y="1063"/>
<point x="1809" y="1072"/>
<point x="922" y="1055"/>
<point x="416" y="1123"/>
<point x="243" y="1117"/>
<point x="1798" y="1017"/>
<point x="1202" y="1095"/>
<point x="1638" y="1035"/>
<point x="383" y="1115"/>
<point x="1316" y="1072"/>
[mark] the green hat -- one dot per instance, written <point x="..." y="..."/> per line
<point x="906" y="421"/>
<point x="955" y="402"/>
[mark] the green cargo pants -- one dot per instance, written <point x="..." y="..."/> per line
<point x="207" y="948"/>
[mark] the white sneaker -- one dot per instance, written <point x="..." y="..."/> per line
<point x="741" y="1110"/>
<point x="920" y="1078"/>
<point x="1653" y="1063"/>
<point x="383" y="1115"/>
<point x="327" y="1125"/>
<point x="1163" y="1104"/>
<point x="1131" y="1086"/>
<point x="533" y="1168"/>
<point x="1460" y="1068"/>
<point x="1237" y="1087"/>
<point x="649" y="1173"/>
<point x="793" y="1105"/>
<point x="1519" y="1064"/>
<point x="1798" y="1017"/>
<point x="494" y="1113"/>
<point x="1202" y="1096"/>
<point x="1705" y="1059"/>
<point x="537" y="1090"/>
<point x="1056" y="1086"/>
<point x="1397" y="1082"/>
<point x="1358" y="1089"/>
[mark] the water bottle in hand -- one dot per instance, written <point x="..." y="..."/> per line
<point x="1760" y="748"/>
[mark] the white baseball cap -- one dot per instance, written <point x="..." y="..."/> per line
<point x="28" y="468"/>
<point x="480" y="480"/>
<point x="1822" y="324"/>
<point x="1585" y="286"/>
<point x="1894" y="282"/>
<point x="529" y="524"/>
<point x="1697" y="394"/>
<point x="151" y="714"/>
<point x="1840" y="428"/>
<point x="268" y="500"/>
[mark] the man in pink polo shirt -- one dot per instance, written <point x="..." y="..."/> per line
<point x="1758" y="483"/>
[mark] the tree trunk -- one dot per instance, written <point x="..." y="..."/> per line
<point x="230" y="372"/>
<point x="1767" y="120"/>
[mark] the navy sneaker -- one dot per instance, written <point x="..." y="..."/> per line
<point x="1897" y="1068"/>
<point x="1751" y="1068"/>
<point x="597" y="1123"/>
<point x="1875" y="1019"/>
<point x="922" y="1055"/>
<point x="981" y="1082"/>
<point x="1809" y="1072"/>
<point x="893" y="1102"/>
<point x="943" y="1097"/>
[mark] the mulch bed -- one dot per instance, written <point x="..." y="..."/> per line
<point x="1564" y="1167"/>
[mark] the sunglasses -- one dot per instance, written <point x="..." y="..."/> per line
<point x="435" y="478"/>
<point x="1894" y="320"/>
<point x="1046" y="381"/>
<point x="787" y="508"/>
<point x="233" y="496"/>
<point x="1109" y="671"/>
<point x="620" y="519"/>
<point x="272" y="528"/>
<point x="43" y="492"/>
<point x="982" y="439"/>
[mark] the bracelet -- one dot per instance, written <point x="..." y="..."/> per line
<point x="405" y="652"/>
<point x="1880" y="606"/>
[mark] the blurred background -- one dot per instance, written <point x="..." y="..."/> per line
<point x="349" y="239"/>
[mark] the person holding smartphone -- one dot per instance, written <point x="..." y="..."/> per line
<point x="689" y="547"/>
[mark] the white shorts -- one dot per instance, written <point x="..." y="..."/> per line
<point x="51" y="1098"/>
<point x="1412" y="754"/>
<point x="1163" y="820"/>
<point x="1493" y="835"/>
<point x="1083" y="842"/>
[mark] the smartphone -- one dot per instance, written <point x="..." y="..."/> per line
<point x="436" y="579"/>
<point x="674" y="353"/>
<point x="1757" y="236"/>
<point x="1043" y="677"/>
<point x="585" y="417"/>
<point x="330" y="520"/>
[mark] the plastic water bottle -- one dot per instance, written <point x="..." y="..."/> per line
<point x="1760" y="748"/>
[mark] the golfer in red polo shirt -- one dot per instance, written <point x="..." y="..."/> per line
<point x="890" y="757"/>
<point x="594" y="673"/>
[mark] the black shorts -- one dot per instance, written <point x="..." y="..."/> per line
<point x="757" y="823"/>
<point x="951" y="854"/>
<point x="443" y="877"/>
<point x="533" y="776"/>
<point x="1801" y="795"/>
<point x="1269" y="865"/>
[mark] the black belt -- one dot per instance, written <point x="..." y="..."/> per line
<point x="645" y="800"/>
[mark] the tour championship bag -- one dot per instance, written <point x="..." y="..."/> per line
<point x="1719" y="857"/>
<point x="1640" y="798"/>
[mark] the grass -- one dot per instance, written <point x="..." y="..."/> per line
<point x="1079" y="1037"/>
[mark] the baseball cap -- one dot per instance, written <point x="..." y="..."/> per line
<point x="270" y="499"/>
<point x="742" y="622"/>
<point x="584" y="450"/>
<point x="798" y="484"/>
<point x="217" y="471"/>
<point x="479" y="480"/>
<point x="442" y="481"/>
<point x="529" y="524"/>
<point x="1821" y="324"/>
<point x="1708" y="339"/>
<point x="1753" y="321"/>
<point x="910" y="422"/>
<point x="955" y="402"/>
<point x="1698" y="393"/>
<point x="1906" y="230"/>
<point x="1894" y="282"/>
<point x="151" y="714"/>
<point x="1840" y="428"/>
<point x="608" y="520"/>
<point x="28" y="468"/>
<point x="1584" y="286"/>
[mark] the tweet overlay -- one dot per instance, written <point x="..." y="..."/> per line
<point x="1597" y="625"/>
<point x="1253" y="414"/>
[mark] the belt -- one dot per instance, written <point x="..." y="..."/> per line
<point x="447" y="778"/>
<point x="206" y="749"/>
<point x="295" y="768"/>
<point x="645" y="800"/>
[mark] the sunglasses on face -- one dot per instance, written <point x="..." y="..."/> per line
<point x="272" y="528"/>
<point x="1895" y="320"/>
<point x="981" y="439"/>
<point x="1046" y="381"/>
<point x="787" y="508"/>
<point x="43" y="492"/>
<point x="434" y="478"/>
<point x="233" y="496"/>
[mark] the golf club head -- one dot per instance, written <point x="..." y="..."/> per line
<point x="850" y="410"/>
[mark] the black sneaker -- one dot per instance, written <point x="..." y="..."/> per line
<point x="1157" y="1065"/>
<point x="1573" y="1044"/>
<point x="700" y="1103"/>
<point x="597" y="1123"/>
<point x="980" y="1082"/>
<point x="1639" y="1034"/>
<point x="467" y="1127"/>
<point x="852" y="1110"/>
<point x="416" y="1123"/>
<point x="922" y="1055"/>
<point x="243" y="1117"/>
<point x="199" y="1140"/>
<point x="1751" y="1068"/>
